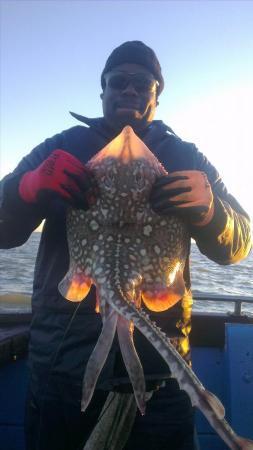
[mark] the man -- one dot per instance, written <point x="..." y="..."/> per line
<point x="53" y="176"/>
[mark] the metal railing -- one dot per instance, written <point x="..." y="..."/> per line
<point x="238" y="300"/>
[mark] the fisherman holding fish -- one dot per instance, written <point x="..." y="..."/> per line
<point x="62" y="178"/>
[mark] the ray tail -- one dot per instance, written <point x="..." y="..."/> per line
<point x="210" y="406"/>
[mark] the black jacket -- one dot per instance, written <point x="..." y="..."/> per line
<point x="64" y="347"/>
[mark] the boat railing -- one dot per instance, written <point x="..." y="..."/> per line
<point x="237" y="300"/>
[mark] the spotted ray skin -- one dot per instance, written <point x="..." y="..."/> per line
<point x="132" y="255"/>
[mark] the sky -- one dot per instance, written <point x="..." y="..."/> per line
<point x="53" y="52"/>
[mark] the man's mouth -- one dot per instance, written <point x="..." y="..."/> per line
<point x="127" y="106"/>
<point x="128" y="111"/>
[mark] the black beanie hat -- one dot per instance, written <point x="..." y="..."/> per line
<point x="135" y="52"/>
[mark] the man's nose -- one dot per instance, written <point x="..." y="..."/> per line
<point x="129" y="89"/>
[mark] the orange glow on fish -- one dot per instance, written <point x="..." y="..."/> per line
<point x="121" y="148"/>
<point x="79" y="288"/>
<point x="97" y="307"/>
<point x="160" y="299"/>
<point x="173" y="273"/>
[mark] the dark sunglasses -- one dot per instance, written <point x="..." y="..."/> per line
<point x="140" y="81"/>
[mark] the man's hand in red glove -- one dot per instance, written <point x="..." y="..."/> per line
<point x="63" y="175"/>
<point x="185" y="192"/>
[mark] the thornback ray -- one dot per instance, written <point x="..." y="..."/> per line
<point x="133" y="255"/>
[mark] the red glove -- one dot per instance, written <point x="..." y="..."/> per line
<point x="186" y="192"/>
<point x="60" y="174"/>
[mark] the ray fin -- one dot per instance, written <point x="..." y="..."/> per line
<point x="161" y="297"/>
<point x="132" y="362"/>
<point x="98" y="358"/>
<point x="75" y="286"/>
<point x="245" y="444"/>
<point x="214" y="403"/>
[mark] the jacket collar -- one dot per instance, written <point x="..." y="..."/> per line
<point x="155" y="131"/>
<point x="88" y="121"/>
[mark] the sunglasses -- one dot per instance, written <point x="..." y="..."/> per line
<point x="141" y="82"/>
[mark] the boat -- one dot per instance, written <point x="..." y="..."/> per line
<point x="222" y="357"/>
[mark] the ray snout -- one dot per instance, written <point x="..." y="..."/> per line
<point x="127" y="147"/>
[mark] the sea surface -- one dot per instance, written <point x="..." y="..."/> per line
<point x="17" y="267"/>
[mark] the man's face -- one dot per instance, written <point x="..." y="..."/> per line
<point x="129" y="97"/>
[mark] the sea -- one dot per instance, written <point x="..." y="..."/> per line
<point x="208" y="278"/>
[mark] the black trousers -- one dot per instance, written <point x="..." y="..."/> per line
<point x="53" y="420"/>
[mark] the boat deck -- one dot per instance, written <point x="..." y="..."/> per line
<point x="222" y="356"/>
